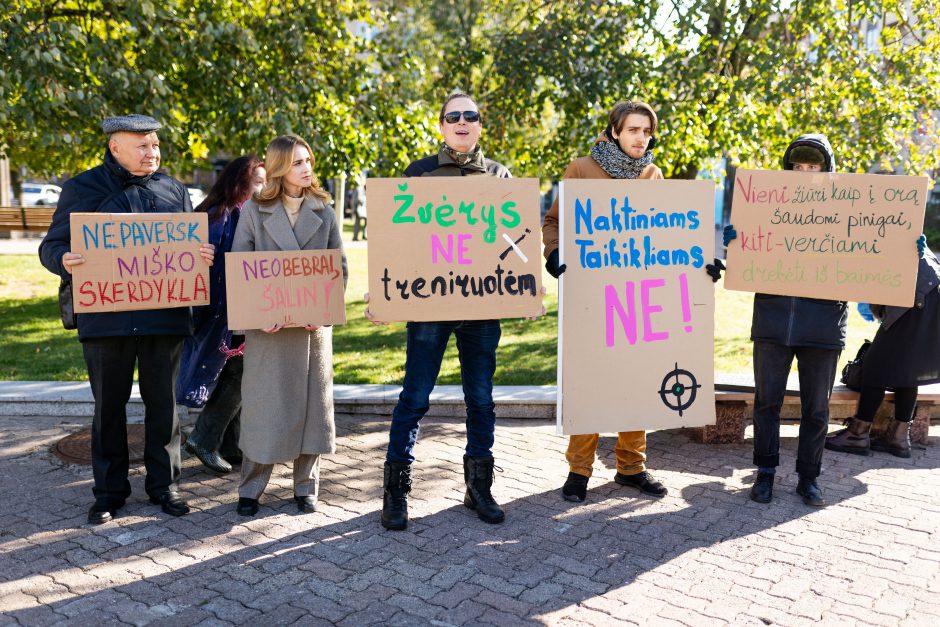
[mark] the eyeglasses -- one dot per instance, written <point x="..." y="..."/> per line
<point x="453" y="117"/>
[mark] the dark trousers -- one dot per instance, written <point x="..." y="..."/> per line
<point x="817" y="371"/>
<point x="476" y="345"/>
<point x="905" y="402"/>
<point x="110" y="363"/>
<point x="218" y="424"/>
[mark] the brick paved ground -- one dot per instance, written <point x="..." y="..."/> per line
<point x="703" y="555"/>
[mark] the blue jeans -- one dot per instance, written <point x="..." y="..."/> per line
<point x="817" y="370"/>
<point x="476" y="345"/>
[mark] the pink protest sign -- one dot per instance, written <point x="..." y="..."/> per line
<point x="454" y="248"/>
<point x="636" y="307"/>
<point x="290" y="288"/>
<point x="139" y="261"/>
<point x="833" y="236"/>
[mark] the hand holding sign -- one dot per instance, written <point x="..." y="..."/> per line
<point x="207" y="252"/>
<point x="72" y="259"/>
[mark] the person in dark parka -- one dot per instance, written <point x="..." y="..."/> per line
<point x="811" y="330"/>
<point x="113" y="342"/>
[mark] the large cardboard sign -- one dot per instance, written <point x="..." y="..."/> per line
<point x="454" y="248"/>
<point x="636" y="307"/>
<point x="833" y="236"/>
<point x="287" y="287"/>
<point x="139" y="261"/>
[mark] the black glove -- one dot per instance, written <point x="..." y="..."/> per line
<point x="714" y="270"/>
<point x="551" y="264"/>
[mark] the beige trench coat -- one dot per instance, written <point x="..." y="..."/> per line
<point x="287" y="385"/>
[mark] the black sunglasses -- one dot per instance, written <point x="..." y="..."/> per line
<point x="453" y="117"/>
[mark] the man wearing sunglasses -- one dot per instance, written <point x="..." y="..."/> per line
<point x="459" y="155"/>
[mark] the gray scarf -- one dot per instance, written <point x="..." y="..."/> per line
<point x="617" y="163"/>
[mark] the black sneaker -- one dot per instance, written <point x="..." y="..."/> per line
<point x="763" y="489"/>
<point x="644" y="482"/>
<point x="575" y="488"/>
<point x="246" y="506"/>
<point x="210" y="459"/>
<point x="810" y="491"/>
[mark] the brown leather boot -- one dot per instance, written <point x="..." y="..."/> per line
<point x="853" y="439"/>
<point x="896" y="440"/>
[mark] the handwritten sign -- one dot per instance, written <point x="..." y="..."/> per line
<point x="139" y="261"/>
<point x="636" y="307"/>
<point x="833" y="236"/>
<point x="290" y="288"/>
<point x="454" y="248"/>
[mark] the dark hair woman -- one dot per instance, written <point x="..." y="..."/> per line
<point x="211" y="366"/>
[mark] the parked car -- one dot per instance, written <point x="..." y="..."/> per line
<point x="40" y="194"/>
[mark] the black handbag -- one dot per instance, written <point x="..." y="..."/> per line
<point x="852" y="372"/>
<point x="66" y="307"/>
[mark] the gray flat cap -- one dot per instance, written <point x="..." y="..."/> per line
<point x="132" y="123"/>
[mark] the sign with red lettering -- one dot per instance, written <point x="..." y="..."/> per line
<point x="461" y="248"/>
<point x="287" y="287"/>
<point x="833" y="236"/>
<point x="139" y="261"/>
<point x="635" y="305"/>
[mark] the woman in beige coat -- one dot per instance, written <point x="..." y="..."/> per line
<point x="287" y="387"/>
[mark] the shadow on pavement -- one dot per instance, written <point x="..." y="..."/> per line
<point x="340" y="566"/>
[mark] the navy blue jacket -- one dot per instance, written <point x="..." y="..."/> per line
<point x="794" y="320"/>
<point x="110" y="188"/>
<point x="202" y="359"/>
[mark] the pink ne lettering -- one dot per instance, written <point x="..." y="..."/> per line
<point x="447" y="252"/>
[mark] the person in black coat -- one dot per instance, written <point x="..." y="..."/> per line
<point x="211" y="367"/>
<point x="113" y="342"/>
<point x="810" y="330"/>
<point x="904" y="355"/>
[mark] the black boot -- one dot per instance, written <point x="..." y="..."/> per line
<point x="478" y="475"/>
<point x="896" y="440"/>
<point x="397" y="485"/>
<point x="853" y="439"/>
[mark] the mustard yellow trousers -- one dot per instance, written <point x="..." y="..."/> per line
<point x="630" y="451"/>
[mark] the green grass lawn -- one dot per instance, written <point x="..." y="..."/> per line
<point x="36" y="347"/>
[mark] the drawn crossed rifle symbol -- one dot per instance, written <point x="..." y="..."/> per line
<point x="513" y="245"/>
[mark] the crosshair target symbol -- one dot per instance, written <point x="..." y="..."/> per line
<point x="675" y="386"/>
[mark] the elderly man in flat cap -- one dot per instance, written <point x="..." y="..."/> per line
<point x="112" y="343"/>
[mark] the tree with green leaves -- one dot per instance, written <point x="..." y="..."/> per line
<point x="364" y="78"/>
<point x="224" y="77"/>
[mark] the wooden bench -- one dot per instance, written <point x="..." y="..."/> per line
<point x="35" y="219"/>
<point x="734" y="408"/>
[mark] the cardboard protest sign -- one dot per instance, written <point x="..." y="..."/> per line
<point x="636" y="307"/>
<point x="139" y="261"/>
<point x="463" y="248"/>
<point x="833" y="236"/>
<point x="287" y="287"/>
